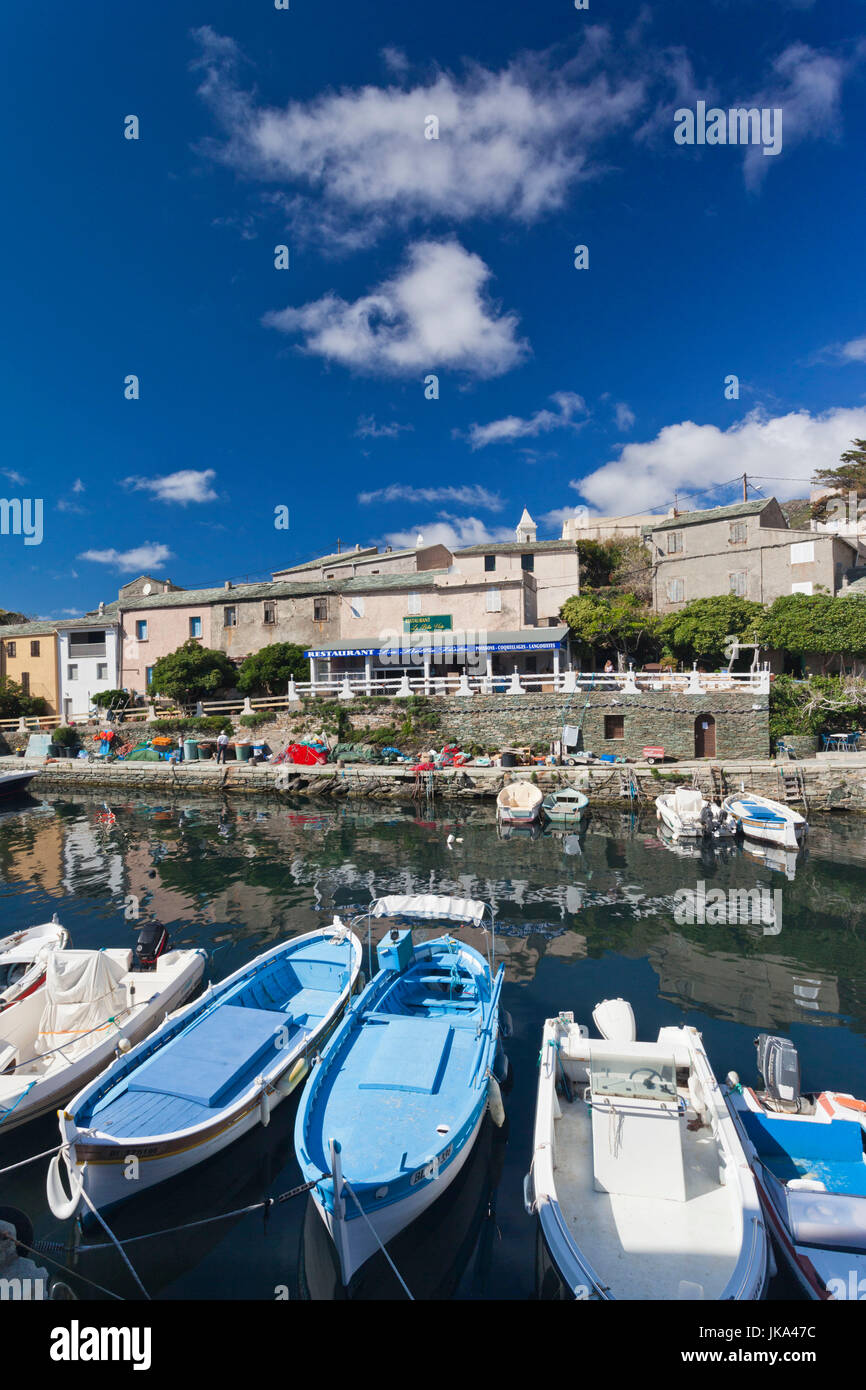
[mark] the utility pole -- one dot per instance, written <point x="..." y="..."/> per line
<point x="745" y="489"/>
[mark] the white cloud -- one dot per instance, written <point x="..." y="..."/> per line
<point x="433" y="314"/>
<point x="453" y="531"/>
<point x="852" y="351"/>
<point x="187" y="485"/>
<point x="13" y="477"/>
<point x="368" y="429"/>
<point x="469" y="495"/>
<point x="512" y="143"/>
<point x="625" y="417"/>
<point x="513" y="427"/>
<point x="148" y="556"/>
<point x="78" y="485"/>
<point x="395" y="60"/>
<point x="807" y="85"/>
<point x="783" y="451"/>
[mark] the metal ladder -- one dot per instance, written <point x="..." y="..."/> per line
<point x="793" y="785"/>
<point x="630" y="788"/>
<point x="719" y="783"/>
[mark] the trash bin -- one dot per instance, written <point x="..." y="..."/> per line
<point x="259" y="749"/>
<point x="242" y="752"/>
<point x="190" y="750"/>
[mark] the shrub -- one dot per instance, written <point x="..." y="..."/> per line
<point x="111" y="697"/>
<point x="254" y="721"/>
<point x="64" y="736"/>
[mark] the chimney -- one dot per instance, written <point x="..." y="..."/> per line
<point x="228" y="584"/>
<point x="165" y="587"/>
<point x="101" y="605"/>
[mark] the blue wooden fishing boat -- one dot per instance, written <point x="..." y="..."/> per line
<point x="210" y="1073"/>
<point x="395" y="1102"/>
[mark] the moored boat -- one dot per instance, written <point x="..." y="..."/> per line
<point x="638" y="1176"/>
<point x="565" y="805"/>
<point x="210" y="1073"/>
<point x="24" y="958"/>
<point x="11" y="783"/>
<point x="395" y="1103"/>
<point x="92" y="1004"/>
<point x="519" y="803"/>
<point x="807" y="1155"/>
<point x="763" y="819"/>
<point x="688" y="816"/>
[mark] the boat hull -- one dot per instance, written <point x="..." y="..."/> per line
<point x="102" y="1164"/>
<point x="354" y="1239"/>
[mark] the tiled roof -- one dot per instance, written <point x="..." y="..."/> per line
<point x="196" y="598"/>
<point x="344" y="556"/>
<point x="45" y="625"/>
<point x="673" y="523"/>
<point x="514" y="547"/>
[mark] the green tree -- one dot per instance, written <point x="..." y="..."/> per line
<point x="618" y="623"/>
<point x="14" y="703"/>
<point x="192" y="672"/>
<point x="699" y="631"/>
<point x="848" y="476"/>
<point x="270" y="669"/>
<point x="596" y="560"/>
<point x="831" y="627"/>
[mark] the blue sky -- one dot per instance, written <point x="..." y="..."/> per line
<point x="304" y="387"/>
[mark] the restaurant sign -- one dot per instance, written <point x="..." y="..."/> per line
<point x="441" y="622"/>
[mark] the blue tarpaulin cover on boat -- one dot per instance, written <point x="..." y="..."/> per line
<point x="831" y="1153"/>
<point x="206" y="1063"/>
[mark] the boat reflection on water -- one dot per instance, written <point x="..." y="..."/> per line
<point x="785" y="861"/>
<point x="510" y="830"/>
<point x="434" y="1254"/>
<point x="708" y="851"/>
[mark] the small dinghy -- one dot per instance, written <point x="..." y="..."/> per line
<point x="807" y="1154"/>
<point x="93" y="1004"/>
<point x="395" y="1103"/>
<point x="763" y="819"/>
<point x="638" y="1176"/>
<point x="689" y="817"/>
<point x="212" y="1072"/>
<point x="564" y="806"/>
<point x="519" y="803"/>
<point x="23" y="960"/>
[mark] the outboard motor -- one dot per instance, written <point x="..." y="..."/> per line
<point x="152" y="942"/>
<point x="779" y="1065"/>
<point x="706" y="820"/>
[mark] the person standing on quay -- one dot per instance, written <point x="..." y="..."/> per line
<point x="222" y="747"/>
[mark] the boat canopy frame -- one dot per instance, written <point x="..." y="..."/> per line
<point x="421" y="907"/>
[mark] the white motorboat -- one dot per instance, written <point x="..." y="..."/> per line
<point x="763" y="819"/>
<point x="807" y="1155"/>
<point x="93" y="1005"/>
<point x="638" y="1175"/>
<point x="209" y="1074"/>
<point x="688" y="816"/>
<point x="519" y="803"/>
<point x="23" y="959"/>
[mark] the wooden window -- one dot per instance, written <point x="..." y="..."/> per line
<point x="489" y="563"/>
<point x="72" y="673"/>
<point x="739" y="533"/>
<point x="675" y="541"/>
<point x="34" y="648"/>
<point x="10" y="648"/>
<point x="269" y="614"/>
<point x="230" y="617"/>
<point x="527" y="562"/>
<point x="738" y="583"/>
<point x="320" y="610"/>
<point x="414" y="603"/>
<point x="494" y="600"/>
<point x="614" y="726"/>
<point x="676" y="590"/>
<point x="25" y="682"/>
<point x="195" y="627"/>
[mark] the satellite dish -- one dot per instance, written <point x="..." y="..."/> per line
<point x="147" y="588"/>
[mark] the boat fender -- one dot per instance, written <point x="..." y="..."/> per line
<point x="62" y="1206"/>
<point x="506" y="1026"/>
<point x="732" y="1080"/>
<point x="494" y="1102"/>
<point x="264" y="1102"/>
<point x="285" y="1084"/>
<point x="529" y="1195"/>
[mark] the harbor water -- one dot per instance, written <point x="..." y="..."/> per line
<point x="731" y="942"/>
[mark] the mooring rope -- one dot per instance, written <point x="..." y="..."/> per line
<point x="378" y="1241"/>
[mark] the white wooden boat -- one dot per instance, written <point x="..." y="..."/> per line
<point x="565" y="805"/>
<point x="638" y="1176"/>
<point x="807" y="1155"/>
<point x="396" y="1101"/>
<point x="92" y="1003"/>
<point x="519" y="803"/>
<point x="763" y="819"/>
<point x="209" y="1074"/>
<point x="688" y="816"/>
<point x="23" y="960"/>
